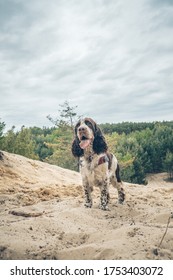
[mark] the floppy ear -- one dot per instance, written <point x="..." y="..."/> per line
<point x="99" y="144"/>
<point x="76" y="149"/>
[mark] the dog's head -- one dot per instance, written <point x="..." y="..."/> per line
<point x="87" y="132"/>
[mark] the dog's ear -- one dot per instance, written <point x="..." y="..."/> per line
<point x="97" y="131"/>
<point x="76" y="149"/>
<point x="99" y="143"/>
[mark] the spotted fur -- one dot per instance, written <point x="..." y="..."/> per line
<point x="97" y="166"/>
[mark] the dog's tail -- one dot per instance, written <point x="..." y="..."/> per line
<point x="117" y="173"/>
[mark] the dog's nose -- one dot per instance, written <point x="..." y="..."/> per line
<point x="82" y="129"/>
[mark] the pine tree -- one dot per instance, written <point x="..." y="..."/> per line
<point x="67" y="116"/>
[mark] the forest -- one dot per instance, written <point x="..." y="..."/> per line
<point x="140" y="148"/>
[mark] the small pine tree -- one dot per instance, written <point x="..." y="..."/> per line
<point x="67" y="116"/>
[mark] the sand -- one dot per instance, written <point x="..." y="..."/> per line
<point x="42" y="216"/>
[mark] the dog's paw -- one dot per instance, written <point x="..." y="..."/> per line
<point x="120" y="201"/>
<point x="104" y="207"/>
<point x="88" y="204"/>
<point x="121" y="198"/>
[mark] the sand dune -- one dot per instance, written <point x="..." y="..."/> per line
<point x="42" y="216"/>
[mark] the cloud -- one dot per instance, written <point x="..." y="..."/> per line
<point x="111" y="58"/>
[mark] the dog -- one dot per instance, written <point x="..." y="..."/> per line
<point x="97" y="166"/>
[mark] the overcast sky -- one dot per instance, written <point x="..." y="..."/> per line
<point x="111" y="58"/>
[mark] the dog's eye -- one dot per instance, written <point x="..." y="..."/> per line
<point x="89" y="124"/>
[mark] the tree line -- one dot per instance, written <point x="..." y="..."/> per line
<point x="139" y="152"/>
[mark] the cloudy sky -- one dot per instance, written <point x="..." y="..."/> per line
<point x="111" y="58"/>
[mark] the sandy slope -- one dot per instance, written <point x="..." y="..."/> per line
<point x="42" y="216"/>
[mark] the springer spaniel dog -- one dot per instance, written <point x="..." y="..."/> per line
<point x="98" y="167"/>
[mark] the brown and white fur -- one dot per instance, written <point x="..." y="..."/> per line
<point x="98" y="167"/>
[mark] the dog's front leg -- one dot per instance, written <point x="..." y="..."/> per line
<point x="87" y="194"/>
<point x="104" y="200"/>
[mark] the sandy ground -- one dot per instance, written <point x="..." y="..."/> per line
<point x="42" y="216"/>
